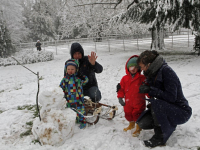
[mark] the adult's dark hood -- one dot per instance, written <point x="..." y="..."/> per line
<point x="76" y="47"/>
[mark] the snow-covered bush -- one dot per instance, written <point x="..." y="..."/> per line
<point x="27" y="57"/>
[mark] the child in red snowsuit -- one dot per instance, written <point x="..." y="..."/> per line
<point x="134" y="103"/>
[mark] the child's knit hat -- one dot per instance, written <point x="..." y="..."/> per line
<point x="132" y="62"/>
<point x="72" y="62"/>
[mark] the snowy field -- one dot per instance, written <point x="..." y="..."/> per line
<point x="19" y="88"/>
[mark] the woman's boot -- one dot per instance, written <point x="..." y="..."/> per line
<point x="131" y="126"/>
<point x="157" y="139"/>
<point x="137" y="131"/>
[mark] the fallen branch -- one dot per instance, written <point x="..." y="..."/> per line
<point x="37" y="74"/>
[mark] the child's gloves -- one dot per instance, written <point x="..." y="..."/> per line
<point x="121" y="101"/>
<point x="118" y="87"/>
<point x="144" y="89"/>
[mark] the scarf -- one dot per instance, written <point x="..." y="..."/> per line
<point x="154" y="67"/>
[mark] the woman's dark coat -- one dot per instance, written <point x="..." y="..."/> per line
<point x="169" y="104"/>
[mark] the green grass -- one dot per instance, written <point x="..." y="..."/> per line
<point x="41" y="78"/>
<point x="30" y="123"/>
<point x="33" y="109"/>
<point x="36" y="141"/>
<point x="26" y="133"/>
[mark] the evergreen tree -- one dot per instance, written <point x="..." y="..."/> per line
<point x="158" y="13"/>
<point x="6" y="47"/>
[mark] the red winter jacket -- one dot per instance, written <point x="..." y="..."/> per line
<point x="134" y="101"/>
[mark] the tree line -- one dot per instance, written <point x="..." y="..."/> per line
<point x="32" y="20"/>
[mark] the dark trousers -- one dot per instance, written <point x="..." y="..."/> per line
<point x="148" y="121"/>
<point x="93" y="93"/>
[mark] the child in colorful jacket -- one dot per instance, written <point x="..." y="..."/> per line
<point x="134" y="103"/>
<point x="73" y="90"/>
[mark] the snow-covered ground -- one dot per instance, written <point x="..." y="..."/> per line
<point x="18" y="87"/>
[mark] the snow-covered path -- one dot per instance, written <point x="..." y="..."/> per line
<point x="19" y="87"/>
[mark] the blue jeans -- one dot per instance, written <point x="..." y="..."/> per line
<point x="93" y="93"/>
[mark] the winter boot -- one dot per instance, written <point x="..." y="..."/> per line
<point x="157" y="139"/>
<point x="137" y="131"/>
<point x="131" y="126"/>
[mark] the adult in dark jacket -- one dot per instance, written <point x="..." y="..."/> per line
<point x="38" y="45"/>
<point x="168" y="106"/>
<point x="87" y="66"/>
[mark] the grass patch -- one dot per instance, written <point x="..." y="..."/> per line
<point x="36" y="141"/>
<point x="1" y="111"/>
<point x="1" y="91"/>
<point x="29" y="125"/>
<point x="32" y="108"/>
<point x="26" y="133"/>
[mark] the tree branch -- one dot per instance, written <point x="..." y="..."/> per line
<point x="119" y="1"/>
<point x="131" y="4"/>
<point x="95" y="4"/>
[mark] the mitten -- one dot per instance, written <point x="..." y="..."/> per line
<point x="118" y="87"/>
<point x="121" y="101"/>
<point x="144" y="89"/>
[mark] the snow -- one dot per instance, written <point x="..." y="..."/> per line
<point x="57" y="122"/>
<point x="19" y="88"/>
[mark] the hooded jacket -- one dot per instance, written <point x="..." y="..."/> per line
<point x="72" y="85"/>
<point x="85" y="67"/>
<point x="134" y="101"/>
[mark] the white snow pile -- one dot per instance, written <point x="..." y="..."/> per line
<point x="57" y="122"/>
<point x="27" y="57"/>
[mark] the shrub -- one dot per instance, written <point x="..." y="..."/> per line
<point x="27" y="57"/>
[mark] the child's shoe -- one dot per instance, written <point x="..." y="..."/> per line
<point x="137" y="131"/>
<point x="83" y="126"/>
<point x="131" y="126"/>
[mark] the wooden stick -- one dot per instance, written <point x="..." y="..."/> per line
<point x="38" y="78"/>
<point x="38" y="85"/>
<point x="23" y="65"/>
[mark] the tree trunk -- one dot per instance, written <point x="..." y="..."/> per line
<point x="157" y="34"/>
<point x="161" y="44"/>
<point x="154" y="42"/>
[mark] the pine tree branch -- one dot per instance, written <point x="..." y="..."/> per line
<point x="119" y="1"/>
<point x="135" y="1"/>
